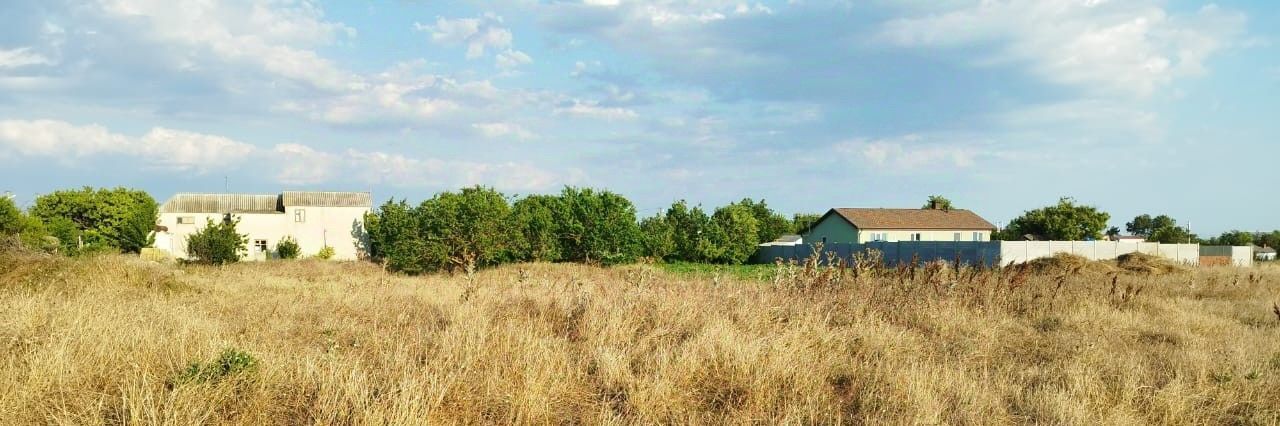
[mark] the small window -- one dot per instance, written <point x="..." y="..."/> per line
<point x="186" y="220"/>
<point x="259" y="246"/>
<point x="977" y="236"/>
<point x="300" y="215"/>
<point x="957" y="236"/>
<point x="917" y="237"/>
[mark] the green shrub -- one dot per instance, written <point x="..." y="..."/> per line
<point x="230" y="362"/>
<point x="288" y="248"/>
<point x="325" y="253"/>
<point x="217" y="243"/>
<point x="118" y="218"/>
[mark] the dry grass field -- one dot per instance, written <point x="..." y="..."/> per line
<point x="117" y="340"/>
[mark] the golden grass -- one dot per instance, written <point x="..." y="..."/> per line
<point x="107" y="340"/>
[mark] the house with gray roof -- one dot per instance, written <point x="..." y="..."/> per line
<point x="314" y="219"/>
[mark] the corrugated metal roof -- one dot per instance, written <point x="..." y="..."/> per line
<point x="915" y="219"/>
<point x="222" y="203"/>
<point x="327" y="199"/>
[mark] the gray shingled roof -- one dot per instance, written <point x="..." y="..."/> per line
<point x="327" y="199"/>
<point x="223" y="203"/>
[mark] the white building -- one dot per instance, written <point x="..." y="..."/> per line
<point x="313" y="219"/>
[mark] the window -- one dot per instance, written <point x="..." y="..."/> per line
<point x="300" y="215"/>
<point x="957" y="236"/>
<point x="879" y="236"/>
<point x="259" y="246"/>
<point x="977" y="236"/>
<point x="186" y="220"/>
<point x="917" y="237"/>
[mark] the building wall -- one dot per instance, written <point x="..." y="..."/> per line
<point x="836" y="230"/>
<point x="831" y="230"/>
<point x="896" y="235"/>
<point x="333" y="226"/>
<point x="1000" y="252"/>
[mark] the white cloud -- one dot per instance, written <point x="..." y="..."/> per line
<point x="480" y="35"/>
<point x="298" y="164"/>
<point x="591" y="109"/>
<point x="289" y="163"/>
<point x="274" y="36"/>
<point x="21" y="57"/>
<point x="1132" y="46"/>
<point x="181" y="150"/>
<point x="499" y="129"/>
<point x="907" y="154"/>
<point x="160" y="148"/>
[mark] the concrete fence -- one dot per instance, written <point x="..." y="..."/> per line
<point x="1001" y="252"/>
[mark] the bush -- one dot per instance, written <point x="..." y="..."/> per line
<point x="230" y="362"/>
<point x="462" y="231"/>
<point x="325" y="253"/>
<point x="534" y="218"/>
<point x="737" y="235"/>
<point x="657" y="238"/>
<point x="118" y="218"/>
<point x="597" y="226"/>
<point x="10" y="217"/>
<point x="288" y="248"/>
<point x="217" y="243"/>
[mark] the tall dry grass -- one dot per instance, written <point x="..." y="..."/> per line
<point x="117" y="340"/>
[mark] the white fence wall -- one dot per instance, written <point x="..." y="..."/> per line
<point x="1004" y="252"/>
<point x="1012" y="252"/>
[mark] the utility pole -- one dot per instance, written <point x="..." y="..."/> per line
<point x="226" y="184"/>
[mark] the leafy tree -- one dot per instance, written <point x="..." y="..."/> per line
<point x="67" y="233"/>
<point x="1232" y="238"/>
<point x="1271" y="239"/>
<point x="937" y="202"/>
<point x="395" y="237"/>
<point x="534" y="217"/>
<point x="597" y="226"/>
<point x="657" y="238"/>
<point x="1113" y="231"/>
<point x="1172" y="235"/>
<point x="1159" y="229"/>
<point x="464" y="230"/>
<point x="693" y="231"/>
<point x="217" y="243"/>
<point x="769" y="225"/>
<point x="800" y="222"/>
<point x="288" y="248"/>
<point x="118" y="218"/>
<point x="1064" y="221"/>
<point x="735" y="234"/>
<point x="11" y="219"/>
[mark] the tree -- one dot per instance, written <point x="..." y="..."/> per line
<point x="597" y="226"/>
<point x="534" y="217"/>
<point x="769" y="225"/>
<point x="657" y="238"/>
<point x="217" y="243"/>
<point x="1271" y="239"/>
<point x="693" y="232"/>
<point x="117" y="218"/>
<point x="464" y="230"/>
<point x="801" y="222"/>
<point x="11" y="219"/>
<point x="288" y="248"/>
<point x="937" y="202"/>
<point x="1113" y="232"/>
<point x="1064" y="221"/>
<point x="1232" y="238"/>
<point x="735" y="234"/>
<point x="1159" y="229"/>
<point x="395" y="237"/>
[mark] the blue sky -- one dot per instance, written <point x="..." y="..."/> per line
<point x="1136" y="106"/>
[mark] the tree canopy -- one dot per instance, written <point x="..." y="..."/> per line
<point x="938" y="202"/>
<point x="118" y="218"/>
<point x="1065" y="221"/>
<point x="1159" y="229"/>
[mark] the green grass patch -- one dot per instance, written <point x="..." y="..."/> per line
<point x="707" y="270"/>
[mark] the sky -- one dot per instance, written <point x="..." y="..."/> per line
<point x="1134" y="106"/>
